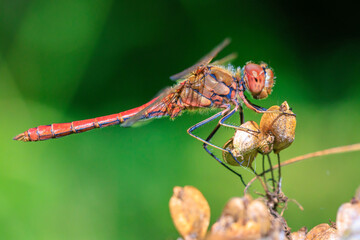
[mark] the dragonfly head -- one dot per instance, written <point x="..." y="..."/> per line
<point x="259" y="79"/>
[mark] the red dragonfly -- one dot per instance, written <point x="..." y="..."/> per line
<point x="203" y="85"/>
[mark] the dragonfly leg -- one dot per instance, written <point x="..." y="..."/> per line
<point x="226" y="117"/>
<point x="196" y="126"/>
<point x="207" y="143"/>
<point x="250" y="105"/>
<point x="241" y="113"/>
<point x="257" y="108"/>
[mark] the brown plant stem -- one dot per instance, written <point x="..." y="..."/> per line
<point x="336" y="150"/>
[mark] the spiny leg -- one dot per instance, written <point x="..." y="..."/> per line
<point x="200" y="124"/>
<point x="222" y="123"/>
<point x="207" y="141"/>
<point x="241" y="113"/>
<point x="213" y="155"/>
<point x="250" y="105"/>
<point x="226" y="117"/>
<point x="258" y="109"/>
<point x="196" y="126"/>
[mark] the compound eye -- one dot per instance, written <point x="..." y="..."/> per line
<point x="269" y="77"/>
<point x="254" y="77"/>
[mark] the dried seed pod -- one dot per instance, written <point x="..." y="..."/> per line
<point x="277" y="231"/>
<point x="243" y="218"/>
<point x="225" y="229"/>
<point x="225" y="226"/>
<point x="235" y="223"/>
<point x="229" y="145"/>
<point x="329" y="234"/>
<point x="299" y="235"/>
<point x="316" y="231"/>
<point x="266" y="143"/>
<point x="348" y="219"/>
<point x="233" y="212"/>
<point x="190" y="212"/>
<point x="235" y="209"/>
<point x="244" y="145"/>
<point x="357" y="194"/>
<point x="249" y="231"/>
<point x="280" y="123"/>
<point x="258" y="212"/>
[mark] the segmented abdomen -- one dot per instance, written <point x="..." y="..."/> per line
<point x="57" y="130"/>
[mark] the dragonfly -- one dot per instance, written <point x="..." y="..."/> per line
<point x="205" y="85"/>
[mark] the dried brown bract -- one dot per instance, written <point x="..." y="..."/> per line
<point x="245" y="218"/>
<point x="280" y="122"/>
<point x="276" y="132"/>
<point x="299" y="235"/>
<point x="242" y="218"/>
<point x="244" y="145"/>
<point x="235" y="208"/>
<point x="329" y="234"/>
<point x="348" y="220"/>
<point x="357" y="194"/>
<point x="190" y="212"/>
<point x="317" y="231"/>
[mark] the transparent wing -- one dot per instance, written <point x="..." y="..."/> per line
<point x="203" y="61"/>
<point x="226" y="59"/>
<point x="164" y="99"/>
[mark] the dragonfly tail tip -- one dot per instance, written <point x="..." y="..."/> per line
<point x="21" y="137"/>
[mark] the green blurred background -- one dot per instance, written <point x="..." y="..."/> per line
<point x="68" y="60"/>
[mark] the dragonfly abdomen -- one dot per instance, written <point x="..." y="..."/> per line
<point x="57" y="130"/>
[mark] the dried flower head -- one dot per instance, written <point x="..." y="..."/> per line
<point x="190" y="212"/>
<point x="348" y="219"/>
<point x="242" y="218"/>
<point x="322" y="231"/>
<point x="244" y="145"/>
<point x="279" y="122"/>
<point x="299" y="235"/>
